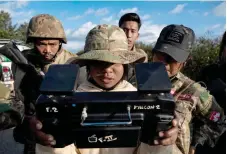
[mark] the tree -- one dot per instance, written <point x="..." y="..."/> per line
<point x="204" y="53"/>
<point x="10" y="31"/>
<point x="21" y="32"/>
<point x="5" y="21"/>
<point x="147" y="48"/>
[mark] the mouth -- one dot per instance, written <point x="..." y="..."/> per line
<point x="106" y="80"/>
<point x="48" y="56"/>
<point x="129" y="41"/>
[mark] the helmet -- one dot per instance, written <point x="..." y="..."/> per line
<point x="108" y="43"/>
<point x="45" y="26"/>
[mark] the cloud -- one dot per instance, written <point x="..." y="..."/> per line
<point x="145" y="17"/>
<point x="76" y="38"/>
<point x="150" y="32"/>
<point x="98" y="12"/>
<point x="193" y="12"/>
<point x="23" y="21"/>
<point x="178" y="9"/>
<point x="14" y="5"/>
<point x="68" y="32"/>
<point x="24" y="14"/>
<point x="129" y="10"/>
<point x="14" y="9"/>
<point x="101" y="12"/>
<point x="63" y="13"/>
<point x="109" y="20"/>
<point x="213" y="27"/>
<point x="206" y="13"/>
<point x="74" y="46"/>
<point x="83" y="30"/>
<point x="74" y="17"/>
<point x="220" y="10"/>
<point x="89" y="11"/>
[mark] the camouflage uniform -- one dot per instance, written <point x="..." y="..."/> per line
<point x="11" y="110"/>
<point x="214" y="76"/>
<point x="42" y="26"/>
<point x="105" y="43"/>
<point x="194" y="100"/>
<point x="131" y="68"/>
<point x="140" y="51"/>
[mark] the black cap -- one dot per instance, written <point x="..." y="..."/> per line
<point x="176" y="41"/>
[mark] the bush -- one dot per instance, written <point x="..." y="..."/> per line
<point x="204" y="53"/>
<point x="147" y="48"/>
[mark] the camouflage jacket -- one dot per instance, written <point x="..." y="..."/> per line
<point x="141" y="51"/>
<point x="28" y="91"/>
<point x="214" y="76"/>
<point x="11" y="110"/>
<point x="131" y="70"/>
<point x="193" y="100"/>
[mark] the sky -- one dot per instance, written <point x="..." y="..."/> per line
<point x="78" y="17"/>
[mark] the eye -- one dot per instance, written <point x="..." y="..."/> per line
<point x="134" y="31"/>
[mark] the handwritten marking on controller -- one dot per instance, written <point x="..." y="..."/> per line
<point x="95" y="139"/>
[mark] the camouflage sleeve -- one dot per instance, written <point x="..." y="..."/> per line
<point x="144" y="53"/>
<point x="210" y="116"/>
<point x="11" y="112"/>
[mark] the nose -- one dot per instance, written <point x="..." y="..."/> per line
<point x="47" y="49"/>
<point x="128" y="33"/>
<point x="107" y="69"/>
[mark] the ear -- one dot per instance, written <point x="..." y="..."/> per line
<point x="181" y="66"/>
<point x="137" y="36"/>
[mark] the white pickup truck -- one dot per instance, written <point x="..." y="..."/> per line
<point x="6" y="75"/>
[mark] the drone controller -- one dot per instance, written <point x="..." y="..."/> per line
<point x="105" y="119"/>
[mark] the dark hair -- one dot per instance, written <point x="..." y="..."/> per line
<point x="223" y="44"/>
<point x="130" y="17"/>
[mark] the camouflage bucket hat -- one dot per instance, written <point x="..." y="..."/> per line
<point x="108" y="43"/>
<point x="45" y="26"/>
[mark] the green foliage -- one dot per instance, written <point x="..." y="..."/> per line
<point x="10" y="31"/>
<point x="205" y="52"/>
<point x="147" y="48"/>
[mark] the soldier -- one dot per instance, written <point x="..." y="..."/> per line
<point x="213" y="73"/>
<point x="214" y="76"/>
<point x="173" y="49"/>
<point x="131" y="23"/>
<point x="47" y="35"/>
<point x="107" y="72"/>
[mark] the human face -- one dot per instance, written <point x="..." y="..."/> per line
<point x="172" y="66"/>
<point x="131" y="30"/>
<point x="47" y="48"/>
<point x="106" y="75"/>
